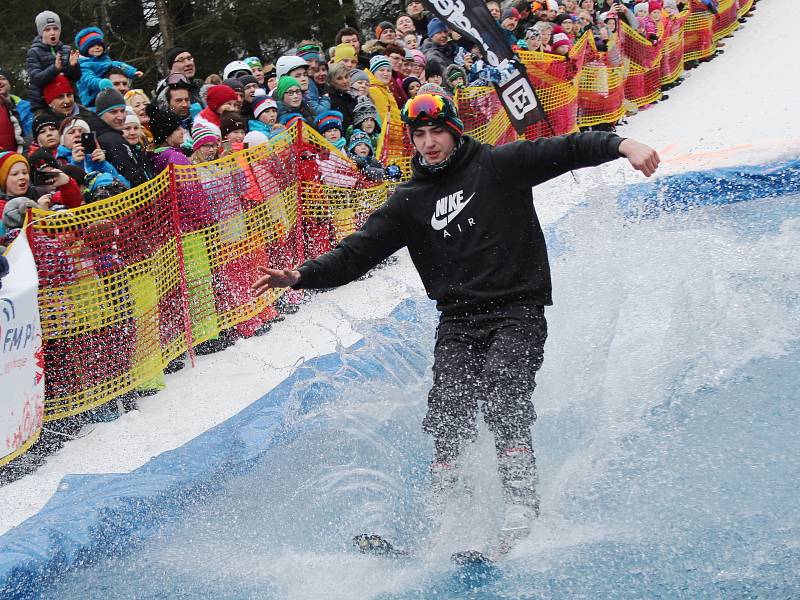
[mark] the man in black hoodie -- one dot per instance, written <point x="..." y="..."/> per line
<point x="468" y="220"/>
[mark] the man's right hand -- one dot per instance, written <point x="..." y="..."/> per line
<point x="274" y="278"/>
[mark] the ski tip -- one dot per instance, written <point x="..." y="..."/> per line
<point x="469" y="558"/>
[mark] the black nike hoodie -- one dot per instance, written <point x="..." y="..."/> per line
<point x="471" y="228"/>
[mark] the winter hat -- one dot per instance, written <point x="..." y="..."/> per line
<point x="88" y="37"/>
<point x="358" y="75"/>
<point x="284" y="84"/>
<point x="407" y="83"/>
<point x="432" y="69"/>
<point x="41" y="121"/>
<point x="130" y="116"/>
<point x="203" y="135"/>
<point x="378" y="61"/>
<point x="218" y="95"/>
<point x="560" y="39"/>
<point x="509" y="13"/>
<point x="16" y="210"/>
<point x="232" y="122"/>
<point x="309" y="52"/>
<point x="71" y="123"/>
<point x="172" y="54"/>
<point x="363" y="110"/>
<point x="8" y="160"/>
<point x="419" y="57"/>
<point x="253" y="62"/>
<point x="108" y="99"/>
<point x="671" y="5"/>
<point x="42" y="158"/>
<point x="329" y="119"/>
<point x="359" y="137"/>
<point x="435" y="26"/>
<point x="343" y="51"/>
<point x="448" y="116"/>
<point x="255" y="138"/>
<point x="262" y="103"/>
<point x="45" y="19"/>
<point x="383" y="26"/>
<point x="234" y="84"/>
<point x="59" y="85"/>
<point x="433" y="88"/>
<point x="454" y="72"/>
<point x="641" y="8"/>
<point x="290" y="119"/>
<point x="7" y="74"/>
<point x="162" y="123"/>
<point x="246" y="80"/>
<point x="270" y="74"/>
<point x="655" y="5"/>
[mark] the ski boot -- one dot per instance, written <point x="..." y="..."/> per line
<point x="517" y="467"/>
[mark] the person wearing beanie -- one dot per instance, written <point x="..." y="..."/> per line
<point x="71" y="150"/>
<point x="361" y="150"/>
<point x="168" y="137"/>
<point x="109" y="122"/>
<point x="561" y="44"/>
<point x="221" y="99"/>
<point x="96" y="63"/>
<point x="338" y="90"/>
<point x="51" y="185"/>
<point x="329" y="124"/>
<point x="359" y="83"/>
<point x="60" y="99"/>
<point x="385" y="33"/>
<point x="258" y="70"/>
<point x="509" y="19"/>
<point x="365" y="118"/>
<point x="47" y="57"/>
<point x="472" y="231"/>
<point x="290" y="119"/>
<point x="14" y="176"/>
<point x="434" y="73"/>
<point x="233" y="127"/>
<point x="416" y="10"/>
<point x="289" y="97"/>
<point x="380" y="77"/>
<point x="411" y="86"/>
<point x="181" y="69"/>
<point x="205" y="145"/>
<point x="45" y="133"/>
<point x="265" y="112"/>
<point x="345" y="53"/>
<point x="456" y="77"/>
<point x="132" y="130"/>
<point x="439" y="48"/>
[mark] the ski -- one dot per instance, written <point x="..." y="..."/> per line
<point x="506" y="542"/>
<point x="375" y="545"/>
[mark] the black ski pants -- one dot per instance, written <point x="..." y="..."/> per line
<point x="487" y="360"/>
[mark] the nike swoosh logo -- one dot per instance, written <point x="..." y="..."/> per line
<point x="438" y="224"/>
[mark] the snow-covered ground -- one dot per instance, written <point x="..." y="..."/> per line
<point x="734" y="110"/>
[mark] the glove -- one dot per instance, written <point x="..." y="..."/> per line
<point x="361" y="161"/>
<point x="393" y="172"/>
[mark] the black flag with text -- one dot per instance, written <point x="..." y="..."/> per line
<point x="472" y="19"/>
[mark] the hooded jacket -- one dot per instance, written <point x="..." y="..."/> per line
<point x="130" y="162"/>
<point x="471" y="228"/>
<point x="40" y="64"/>
<point x="444" y="55"/>
<point x="93" y="71"/>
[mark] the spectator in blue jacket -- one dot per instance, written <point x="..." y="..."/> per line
<point x="96" y="63"/>
<point x="71" y="150"/>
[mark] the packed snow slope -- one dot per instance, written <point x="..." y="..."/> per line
<point x="736" y="109"/>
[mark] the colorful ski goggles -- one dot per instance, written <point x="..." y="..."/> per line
<point x="430" y="109"/>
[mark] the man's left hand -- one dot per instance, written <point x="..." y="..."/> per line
<point x="642" y="157"/>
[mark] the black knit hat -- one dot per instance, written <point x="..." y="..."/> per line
<point x="234" y="83"/>
<point x="42" y="158"/>
<point x="162" y="123"/>
<point x="42" y="120"/>
<point x="172" y="54"/>
<point x="247" y="80"/>
<point x="231" y="121"/>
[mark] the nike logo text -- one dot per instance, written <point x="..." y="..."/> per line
<point x="448" y="208"/>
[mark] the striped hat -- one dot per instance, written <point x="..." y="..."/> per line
<point x="378" y="61"/>
<point x="262" y="103"/>
<point x="290" y="119"/>
<point x="203" y="135"/>
<point x="8" y="160"/>
<point x="88" y="37"/>
<point x="329" y="119"/>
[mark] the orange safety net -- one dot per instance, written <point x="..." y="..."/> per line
<point x="130" y="283"/>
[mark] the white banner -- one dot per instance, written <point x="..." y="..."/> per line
<point x="21" y="354"/>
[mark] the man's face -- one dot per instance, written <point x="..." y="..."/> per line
<point x="388" y="36"/>
<point x="405" y="24"/>
<point x="47" y="137"/>
<point x="120" y="82"/>
<point x="63" y="104"/>
<point x="433" y="142"/>
<point x="179" y="102"/>
<point x="114" y="118"/>
<point x="5" y="87"/>
<point x="353" y="41"/>
<point x="509" y="24"/>
<point x="301" y="75"/>
<point x="51" y="35"/>
<point x="184" y="64"/>
<point x="249" y="90"/>
<point x="415" y="8"/>
<point x="440" y="38"/>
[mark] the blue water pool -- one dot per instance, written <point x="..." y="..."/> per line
<point x="667" y="442"/>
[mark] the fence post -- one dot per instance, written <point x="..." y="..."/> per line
<point x="176" y="224"/>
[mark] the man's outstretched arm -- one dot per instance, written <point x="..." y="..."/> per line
<point x="381" y="236"/>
